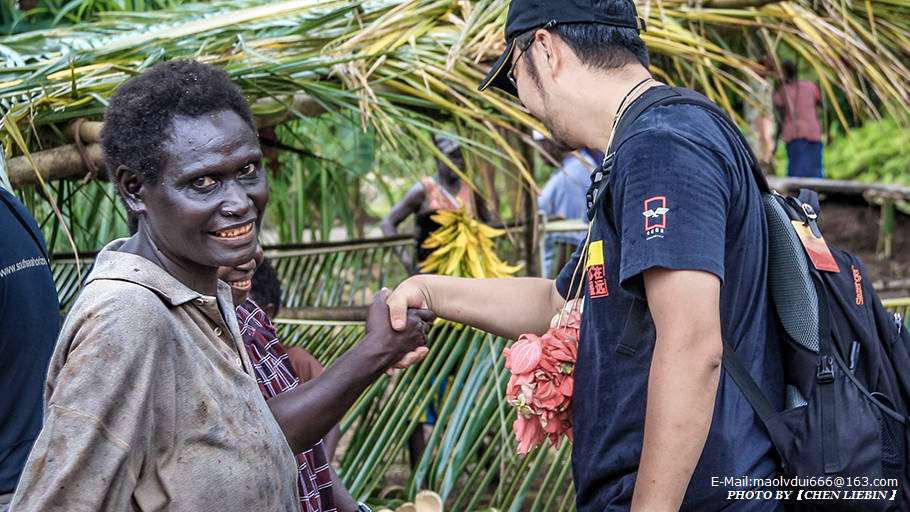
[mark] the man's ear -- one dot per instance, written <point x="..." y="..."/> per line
<point x="553" y="50"/>
<point x="270" y="310"/>
<point x="131" y="188"/>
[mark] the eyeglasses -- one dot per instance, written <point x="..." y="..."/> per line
<point x="511" y="75"/>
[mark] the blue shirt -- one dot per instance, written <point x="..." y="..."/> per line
<point x="683" y="198"/>
<point x="30" y="316"/>
<point x="564" y="194"/>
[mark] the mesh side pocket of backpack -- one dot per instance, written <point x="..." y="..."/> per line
<point x="788" y="275"/>
<point x="793" y="398"/>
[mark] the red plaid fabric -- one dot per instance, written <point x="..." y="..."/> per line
<point x="275" y="375"/>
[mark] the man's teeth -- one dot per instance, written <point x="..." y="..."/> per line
<point x="229" y="233"/>
<point x="241" y="284"/>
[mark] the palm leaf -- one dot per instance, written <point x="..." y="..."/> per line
<point x="470" y="458"/>
<point x="404" y="67"/>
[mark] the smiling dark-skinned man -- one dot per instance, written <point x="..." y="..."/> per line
<point x="152" y="400"/>
<point x="686" y="232"/>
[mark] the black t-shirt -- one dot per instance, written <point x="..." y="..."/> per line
<point x="30" y="316"/>
<point x="683" y="198"/>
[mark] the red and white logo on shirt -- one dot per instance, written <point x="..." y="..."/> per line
<point x="655" y="217"/>
<point x="597" y="278"/>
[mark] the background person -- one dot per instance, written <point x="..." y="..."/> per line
<point x="760" y="117"/>
<point x="276" y="373"/>
<point x="563" y="197"/>
<point x="151" y="397"/>
<point x="265" y="291"/>
<point x="797" y="103"/>
<point x="30" y="316"/>
<point x="682" y="227"/>
<point x="444" y="191"/>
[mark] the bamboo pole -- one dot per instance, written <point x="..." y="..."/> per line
<point x="790" y="185"/>
<point x="65" y="162"/>
<point x="55" y="164"/>
<point x="89" y="131"/>
<point x="886" y="232"/>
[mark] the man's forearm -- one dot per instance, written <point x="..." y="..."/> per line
<point x="309" y="411"/>
<point x="506" y="307"/>
<point x="682" y="387"/>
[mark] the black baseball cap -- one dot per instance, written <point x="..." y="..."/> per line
<point x="525" y="15"/>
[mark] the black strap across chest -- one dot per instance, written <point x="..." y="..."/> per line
<point x="599" y="192"/>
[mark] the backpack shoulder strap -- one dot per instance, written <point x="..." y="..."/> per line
<point x="636" y="321"/>
<point x="600" y="179"/>
<point x="662" y="96"/>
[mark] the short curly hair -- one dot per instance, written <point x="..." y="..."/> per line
<point x="139" y="119"/>
<point x="266" y="286"/>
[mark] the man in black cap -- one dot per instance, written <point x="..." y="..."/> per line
<point x="672" y="268"/>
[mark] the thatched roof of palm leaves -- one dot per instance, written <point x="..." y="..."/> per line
<point x="404" y="64"/>
<point x="404" y="67"/>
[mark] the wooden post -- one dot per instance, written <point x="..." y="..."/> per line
<point x="886" y="233"/>
<point x="55" y="164"/>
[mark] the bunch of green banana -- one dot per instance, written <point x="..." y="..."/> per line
<point x="463" y="248"/>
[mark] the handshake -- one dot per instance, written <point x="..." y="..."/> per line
<point x="396" y="329"/>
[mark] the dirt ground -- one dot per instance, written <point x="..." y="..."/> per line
<point x="852" y="224"/>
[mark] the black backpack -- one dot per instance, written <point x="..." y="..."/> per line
<point x="843" y="436"/>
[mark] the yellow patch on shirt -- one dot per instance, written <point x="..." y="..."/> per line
<point x="595" y="253"/>
<point x="597" y="279"/>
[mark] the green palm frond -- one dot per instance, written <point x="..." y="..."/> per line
<point x="408" y="69"/>
<point x="394" y="61"/>
<point x="470" y="459"/>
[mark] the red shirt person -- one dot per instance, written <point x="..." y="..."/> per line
<point x="797" y="106"/>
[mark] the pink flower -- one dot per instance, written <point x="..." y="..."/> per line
<point x="528" y="433"/>
<point x="524" y="354"/>
<point x="542" y="382"/>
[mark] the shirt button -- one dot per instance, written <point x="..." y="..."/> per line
<point x="217" y="331"/>
<point x="238" y="362"/>
<point x="200" y="302"/>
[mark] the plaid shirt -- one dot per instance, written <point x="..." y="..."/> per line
<point x="275" y="375"/>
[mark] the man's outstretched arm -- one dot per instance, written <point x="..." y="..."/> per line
<point x="506" y="307"/>
<point x="682" y="384"/>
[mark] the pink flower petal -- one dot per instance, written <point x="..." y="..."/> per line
<point x="524" y="355"/>
<point x="567" y="387"/>
<point x="542" y="383"/>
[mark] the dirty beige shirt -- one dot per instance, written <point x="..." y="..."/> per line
<point x="151" y="406"/>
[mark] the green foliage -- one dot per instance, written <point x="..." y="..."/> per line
<point x="52" y="13"/>
<point x="875" y="152"/>
<point x="320" y="168"/>
<point x="334" y="172"/>
<point x="93" y="211"/>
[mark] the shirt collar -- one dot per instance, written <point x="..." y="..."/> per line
<point x="110" y="263"/>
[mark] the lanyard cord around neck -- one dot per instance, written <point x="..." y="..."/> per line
<point x="624" y="105"/>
